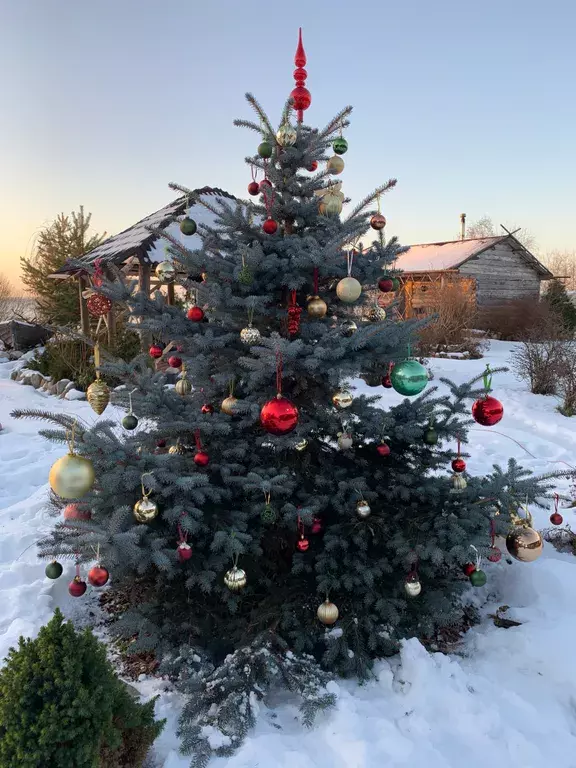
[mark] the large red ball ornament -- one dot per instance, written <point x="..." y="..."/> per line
<point x="495" y="555"/>
<point x="385" y="284"/>
<point x="253" y="188"/>
<point x="383" y="449"/>
<point x="98" y="576"/>
<point x="156" y="351"/>
<point x="184" y="551"/>
<point x="556" y="518"/>
<point x="469" y="568"/>
<point x="487" y="411"/>
<point x="458" y="465"/>
<point x="303" y="544"/>
<point x="174" y="361"/>
<point x="387" y="381"/>
<point x="378" y="221"/>
<point x="302" y="98"/>
<point x="196" y="314"/>
<point x="265" y="185"/>
<point x="207" y="408"/>
<point x="279" y="416"/>
<point x="98" y="305"/>
<point x="270" y="226"/>
<point x="77" y="511"/>
<point x="77" y="587"/>
<point x="313" y="166"/>
<point x="201" y="459"/>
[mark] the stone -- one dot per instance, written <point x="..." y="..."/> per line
<point x="36" y="379"/>
<point x="61" y="386"/>
<point x="75" y="394"/>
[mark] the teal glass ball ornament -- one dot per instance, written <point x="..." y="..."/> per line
<point x="409" y="377"/>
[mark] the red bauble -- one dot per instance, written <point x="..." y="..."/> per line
<point x="313" y="166"/>
<point x="270" y="226"/>
<point x="161" y="443"/>
<point x="201" y="459"/>
<point x="98" y="576"/>
<point x="495" y="555"/>
<point x="383" y="449"/>
<point x="385" y="284"/>
<point x="77" y="512"/>
<point x="156" y="351"/>
<point x="458" y="465"/>
<point x="302" y="98"/>
<point x="317" y="526"/>
<point x="303" y="544"/>
<point x="184" y="551"/>
<point x="469" y="568"/>
<point x="265" y="185"/>
<point x="174" y="361"/>
<point x="387" y="381"/>
<point x="207" y="408"/>
<point x="98" y="305"/>
<point x="556" y="518"/>
<point x="77" y="587"/>
<point x="253" y="188"/>
<point x="196" y="314"/>
<point x="487" y="411"/>
<point x="279" y="416"/>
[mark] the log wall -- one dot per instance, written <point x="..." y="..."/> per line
<point x="501" y="275"/>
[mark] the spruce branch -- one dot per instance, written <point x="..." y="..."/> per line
<point x="260" y="112"/>
<point x="337" y="122"/>
<point x="390" y="184"/>
<point x="68" y="422"/>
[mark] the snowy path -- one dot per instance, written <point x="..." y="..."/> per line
<point x="510" y="699"/>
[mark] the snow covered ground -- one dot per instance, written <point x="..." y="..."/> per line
<point x="509" y="698"/>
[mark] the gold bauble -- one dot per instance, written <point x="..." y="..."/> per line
<point x="376" y="314"/>
<point x="363" y="509"/>
<point x="524" y="543"/>
<point x="327" y="613"/>
<point x="98" y="395"/>
<point x="183" y="387"/>
<point x="177" y="450"/>
<point x="145" y="510"/>
<point x="331" y="204"/>
<point x="412" y="587"/>
<point x="286" y="135"/>
<point x="342" y="399"/>
<point x="335" y="164"/>
<point x="302" y="445"/>
<point x="165" y="272"/>
<point x="228" y="405"/>
<point x="316" y="306"/>
<point x="71" y="476"/>
<point x="348" y="290"/>
<point x="250" y="335"/>
<point x="235" y="579"/>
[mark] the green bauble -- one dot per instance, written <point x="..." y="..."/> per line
<point x="268" y="514"/>
<point x="265" y="149"/>
<point x="188" y="226"/>
<point x="53" y="570"/>
<point x="409" y="377"/>
<point x="129" y="421"/>
<point x="340" y="146"/>
<point x="431" y="436"/>
<point x="477" y="578"/>
<point x="395" y="283"/>
<point x="245" y="276"/>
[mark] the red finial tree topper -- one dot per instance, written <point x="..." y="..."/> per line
<point x="300" y="94"/>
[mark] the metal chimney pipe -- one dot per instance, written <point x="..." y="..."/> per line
<point x="462" y="226"/>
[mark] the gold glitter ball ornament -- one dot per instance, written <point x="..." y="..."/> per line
<point x="71" y="476"/>
<point x="177" y="450"/>
<point x="183" y="387"/>
<point x="327" y="613"/>
<point x="165" y="272"/>
<point x="250" y="335"/>
<point x="286" y="135"/>
<point x="98" y="395"/>
<point x="145" y="510"/>
<point x="228" y="405"/>
<point x="316" y="307"/>
<point x="348" y="290"/>
<point x="235" y="579"/>
<point x="342" y="399"/>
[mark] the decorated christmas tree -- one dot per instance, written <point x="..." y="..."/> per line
<point x="267" y="518"/>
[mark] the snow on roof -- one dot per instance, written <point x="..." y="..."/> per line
<point x="434" y="257"/>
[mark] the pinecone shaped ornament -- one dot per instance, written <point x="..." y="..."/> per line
<point x="98" y="395"/>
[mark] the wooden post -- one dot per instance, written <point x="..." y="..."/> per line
<point x="170" y="294"/>
<point x="144" y="286"/>
<point x="84" y="317"/>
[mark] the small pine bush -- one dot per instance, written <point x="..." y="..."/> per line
<point x="62" y="705"/>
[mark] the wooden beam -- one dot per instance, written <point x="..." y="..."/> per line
<point x="84" y="316"/>
<point x="170" y="294"/>
<point x="144" y="286"/>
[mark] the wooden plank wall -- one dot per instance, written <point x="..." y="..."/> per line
<point x="501" y="275"/>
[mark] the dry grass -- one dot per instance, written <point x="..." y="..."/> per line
<point x="454" y="313"/>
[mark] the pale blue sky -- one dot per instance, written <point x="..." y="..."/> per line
<point x="470" y="105"/>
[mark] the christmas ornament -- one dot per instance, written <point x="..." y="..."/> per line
<point x="177" y="450"/>
<point x="387" y="381"/>
<point x="468" y="569"/>
<point x="316" y="526"/>
<point x="340" y="146"/>
<point x="265" y="186"/>
<point x="98" y="394"/>
<point x="487" y="410"/>
<point x="196" y="314"/>
<point x="378" y="222"/>
<point x="395" y="283"/>
<point x="235" y="578"/>
<point x="431" y="436"/>
<point x="161" y="443"/>
<point x="155" y="351"/>
<point x="458" y="483"/>
<point x="183" y="386"/>
<point x="228" y="405"/>
<point x="188" y="226"/>
<point x="458" y="464"/>
<point x="331" y="199"/>
<point x="98" y="305"/>
<point x="207" y="408"/>
<point x="523" y="542"/>
<point x="342" y="399"/>
<point x="270" y="226"/>
<point x="303" y="544"/>
<point x="174" y="361"/>
<point x="77" y="511"/>
<point x="98" y="576"/>
<point x="279" y="416"/>
<point x="412" y="585"/>
<point x="250" y="335"/>
<point x="349" y="289"/>
<point x="245" y="275"/>
<point x="345" y="441"/>
<point x="327" y="613"/>
<point x="201" y="458"/>
<point x="495" y="555"/>
<point x="316" y="307"/>
<point x="300" y="95"/>
<point x="348" y="328"/>
<point x="383" y="449"/>
<point x="302" y="445"/>
<point x="363" y="509"/>
<point x="253" y="188"/>
<point x="71" y="476"/>
<point x="53" y="570"/>
<point x="165" y="272"/>
<point x="77" y="587"/>
<point x="286" y="135"/>
<point x="265" y="149"/>
<point x="376" y="314"/>
<point x="335" y="164"/>
<point x="183" y="551"/>
<point x="409" y="377"/>
<point x="130" y="421"/>
<point x="556" y="518"/>
<point x="268" y="514"/>
<point x="385" y="284"/>
<point x="313" y="166"/>
<point x="145" y="510"/>
<point x="477" y="578"/>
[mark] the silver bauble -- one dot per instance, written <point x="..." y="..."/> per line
<point x="348" y="290"/>
<point x="286" y="135"/>
<point x="250" y="336"/>
<point x="345" y="441"/>
<point x="165" y="272"/>
<point x="348" y="328"/>
<point x="342" y="399"/>
<point x="327" y="613"/>
<point x="363" y="509"/>
<point x="412" y="587"/>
